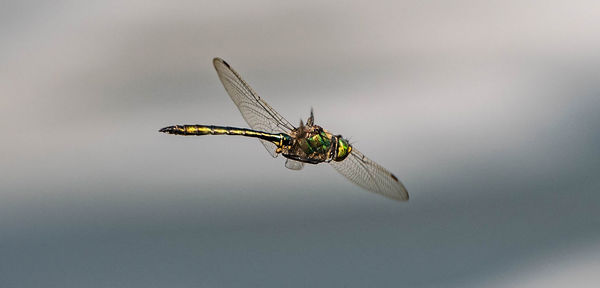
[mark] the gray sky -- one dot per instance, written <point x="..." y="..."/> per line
<point x="488" y="112"/>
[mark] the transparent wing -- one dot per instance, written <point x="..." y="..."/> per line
<point x="293" y="164"/>
<point x="257" y="113"/>
<point x="371" y="176"/>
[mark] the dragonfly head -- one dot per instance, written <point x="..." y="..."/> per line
<point x="343" y="149"/>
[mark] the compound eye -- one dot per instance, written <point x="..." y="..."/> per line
<point x="343" y="149"/>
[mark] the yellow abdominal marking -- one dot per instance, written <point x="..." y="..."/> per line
<point x="220" y="131"/>
<point x="190" y="129"/>
<point x="280" y="140"/>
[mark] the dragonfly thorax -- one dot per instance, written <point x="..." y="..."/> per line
<point x="313" y="144"/>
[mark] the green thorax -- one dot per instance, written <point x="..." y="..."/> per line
<point x="313" y="144"/>
<point x="318" y="142"/>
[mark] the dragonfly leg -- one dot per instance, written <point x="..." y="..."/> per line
<point x="311" y="119"/>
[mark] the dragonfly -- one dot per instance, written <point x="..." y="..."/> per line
<point x="306" y="144"/>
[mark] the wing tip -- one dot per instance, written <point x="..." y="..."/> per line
<point x="402" y="193"/>
<point x="218" y="60"/>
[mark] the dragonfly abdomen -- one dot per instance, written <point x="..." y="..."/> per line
<point x="198" y="130"/>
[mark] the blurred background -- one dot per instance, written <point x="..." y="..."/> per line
<point x="487" y="111"/>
